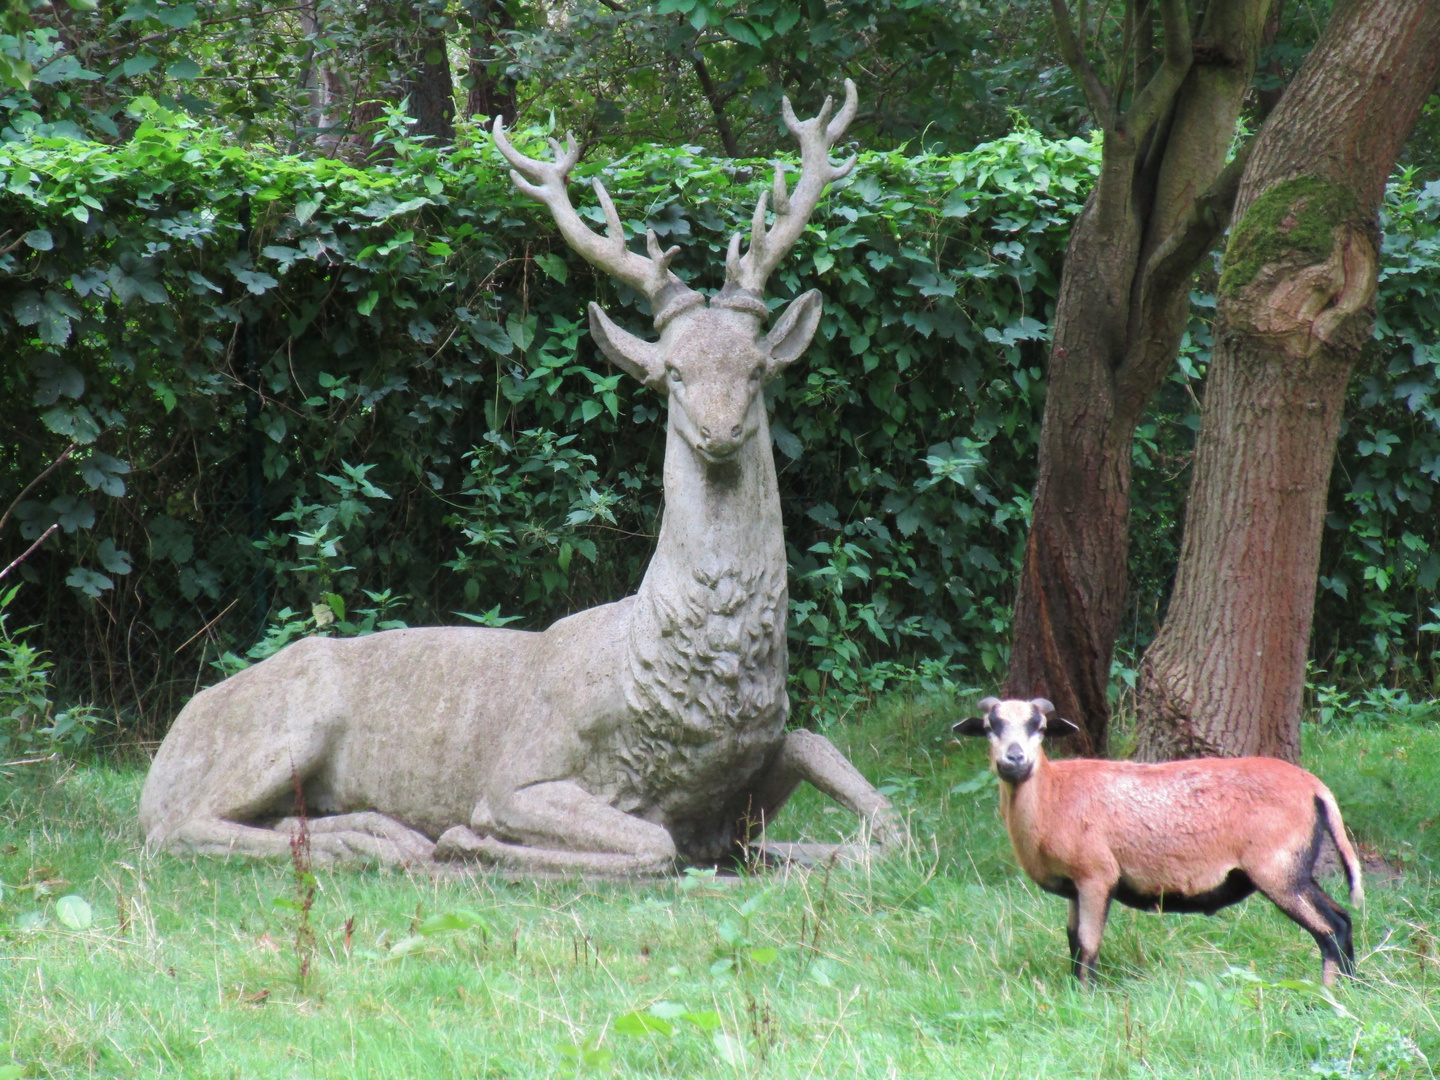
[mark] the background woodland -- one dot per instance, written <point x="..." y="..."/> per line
<point x="308" y="364"/>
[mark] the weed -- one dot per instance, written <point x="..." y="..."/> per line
<point x="303" y="888"/>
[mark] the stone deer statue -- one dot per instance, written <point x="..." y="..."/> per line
<point x="622" y="739"/>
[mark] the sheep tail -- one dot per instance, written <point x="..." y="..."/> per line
<point x="1325" y="803"/>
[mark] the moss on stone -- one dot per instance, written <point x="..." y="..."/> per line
<point x="1294" y="218"/>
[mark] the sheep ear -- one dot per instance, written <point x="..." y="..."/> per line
<point x="986" y="704"/>
<point x="1057" y="727"/>
<point x="975" y="725"/>
<point x="1043" y="705"/>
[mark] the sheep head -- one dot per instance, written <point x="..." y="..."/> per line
<point x="1015" y="730"/>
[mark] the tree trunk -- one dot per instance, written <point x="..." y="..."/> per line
<point x="1226" y="674"/>
<point x="487" y="94"/>
<point x="1162" y="200"/>
<point x="430" y="87"/>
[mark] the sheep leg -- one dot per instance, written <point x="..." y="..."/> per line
<point x="1072" y="934"/>
<point x="1300" y="905"/>
<point x="1092" y="908"/>
<point x="1339" y="920"/>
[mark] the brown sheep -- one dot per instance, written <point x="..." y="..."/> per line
<point x="1193" y="835"/>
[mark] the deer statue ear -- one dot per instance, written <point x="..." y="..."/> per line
<point x="1043" y="705"/>
<point x="791" y="335"/>
<point x="632" y="355"/>
<point x="974" y="725"/>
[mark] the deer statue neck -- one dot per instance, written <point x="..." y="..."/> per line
<point x="707" y="633"/>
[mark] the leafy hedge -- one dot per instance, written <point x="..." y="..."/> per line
<point x="308" y="394"/>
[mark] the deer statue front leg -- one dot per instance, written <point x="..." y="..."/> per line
<point x="812" y="758"/>
<point x="559" y="827"/>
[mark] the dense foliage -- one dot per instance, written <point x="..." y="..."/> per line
<point x="310" y="396"/>
<point x="432" y="420"/>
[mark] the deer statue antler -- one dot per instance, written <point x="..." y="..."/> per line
<point x="745" y="276"/>
<point x="544" y="181"/>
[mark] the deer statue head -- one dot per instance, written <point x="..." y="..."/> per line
<point x="713" y="358"/>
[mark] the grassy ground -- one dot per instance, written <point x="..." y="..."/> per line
<point x="944" y="963"/>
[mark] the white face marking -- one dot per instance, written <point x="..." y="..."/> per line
<point x="1016" y="730"/>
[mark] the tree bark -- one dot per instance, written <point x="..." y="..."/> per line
<point x="430" y="87"/>
<point x="486" y="94"/>
<point x="1162" y="200"/>
<point x="717" y="103"/>
<point x="1226" y="674"/>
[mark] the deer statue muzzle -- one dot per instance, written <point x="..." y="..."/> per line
<point x="622" y="740"/>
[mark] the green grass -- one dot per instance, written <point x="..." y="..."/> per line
<point x="944" y="963"/>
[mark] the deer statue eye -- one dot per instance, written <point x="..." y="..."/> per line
<point x="759" y="370"/>
<point x="675" y="376"/>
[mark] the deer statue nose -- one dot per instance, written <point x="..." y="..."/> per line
<point x="735" y="431"/>
<point x="705" y="432"/>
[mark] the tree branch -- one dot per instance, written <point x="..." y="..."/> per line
<point x="33" y="483"/>
<point x="1197" y="232"/>
<point x="717" y="104"/>
<point x="30" y="550"/>
<point x="1152" y="100"/>
<point x="1072" y="51"/>
<point x="1163" y="298"/>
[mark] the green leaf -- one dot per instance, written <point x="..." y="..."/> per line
<point x="367" y="305"/>
<point x="305" y="208"/>
<point x="406" y="946"/>
<point x="521" y="331"/>
<point x="451" y="921"/>
<point x="27" y="309"/>
<point x="15" y="72"/>
<point x="764" y="956"/>
<point x="741" y="32"/>
<point x="74" y="911"/>
<point x="183" y="69"/>
<point x="177" y="17"/>
<point x="709" y="1020"/>
<point x="554" y="267"/>
<point x="89" y="582"/>
<point x="40" y="239"/>
<point x="138" y="65"/>
<point x="638" y="1024"/>
<point x="729" y="1049"/>
<point x="112" y="558"/>
<point x="983" y="779"/>
<point x="15" y="1072"/>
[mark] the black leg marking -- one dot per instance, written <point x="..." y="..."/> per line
<point x="1317" y="918"/>
<point x="1339" y="920"/>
